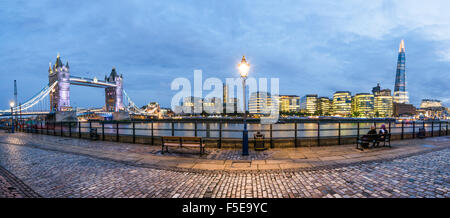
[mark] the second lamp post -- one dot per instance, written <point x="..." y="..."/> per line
<point x="244" y="67"/>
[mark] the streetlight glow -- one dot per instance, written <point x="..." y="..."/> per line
<point x="244" y="67"/>
<point x="11" y="103"/>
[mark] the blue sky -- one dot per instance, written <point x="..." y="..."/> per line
<point x="314" y="47"/>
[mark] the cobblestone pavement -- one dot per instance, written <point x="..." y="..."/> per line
<point x="58" y="174"/>
<point x="12" y="187"/>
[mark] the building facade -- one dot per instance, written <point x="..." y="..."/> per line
<point x="364" y="105"/>
<point x="342" y="103"/>
<point x="384" y="106"/>
<point x="192" y="105"/>
<point x="289" y="103"/>
<point x="308" y="103"/>
<point x="432" y="109"/>
<point x="402" y="110"/>
<point x="324" y="106"/>
<point x="260" y="103"/>
<point x="400" y="93"/>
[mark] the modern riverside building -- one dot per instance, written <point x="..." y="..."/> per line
<point x="324" y="106"/>
<point x="212" y="105"/>
<point x="308" y="103"/>
<point x="259" y="103"/>
<point x="342" y="103"/>
<point x="431" y="108"/>
<point x="383" y="102"/>
<point x="400" y="93"/>
<point x="289" y="103"/>
<point x="192" y="105"/>
<point x="384" y="106"/>
<point x="364" y="104"/>
<point x="376" y="91"/>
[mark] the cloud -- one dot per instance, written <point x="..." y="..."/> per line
<point x="313" y="47"/>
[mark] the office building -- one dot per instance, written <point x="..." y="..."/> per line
<point x="289" y="103"/>
<point x="363" y="104"/>
<point x="342" y="103"/>
<point x="308" y="104"/>
<point x="324" y="106"/>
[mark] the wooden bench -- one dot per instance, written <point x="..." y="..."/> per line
<point x="374" y="139"/>
<point x="182" y="141"/>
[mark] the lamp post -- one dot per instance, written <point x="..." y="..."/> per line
<point x="244" y="67"/>
<point x="11" y="104"/>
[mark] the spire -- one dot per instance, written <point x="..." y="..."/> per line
<point x="67" y="64"/>
<point x="402" y="46"/>
<point x="58" y="61"/>
<point x="113" y="74"/>
<point x="50" y="67"/>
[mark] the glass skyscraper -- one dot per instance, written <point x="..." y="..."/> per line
<point x="400" y="93"/>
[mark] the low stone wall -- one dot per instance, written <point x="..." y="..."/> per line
<point x="231" y="142"/>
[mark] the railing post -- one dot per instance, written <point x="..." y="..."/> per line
<point x="134" y="132"/>
<point x="318" y="133"/>
<point x="173" y="128"/>
<point x="390" y="127"/>
<point x="414" y="130"/>
<point x="220" y="135"/>
<point x="446" y="129"/>
<point x="41" y="132"/>
<point x="339" y="132"/>
<point x="70" y="129"/>
<point x="103" y="130"/>
<point x="432" y="128"/>
<point x="152" y="134"/>
<point x="195" y="129"/>
<point x="54" y="128"/>
<point x="79" y="129"/>
<point x="271" y="141"/>
<point x="117" y="131"/>
<point x="440" y="128"/>
<point x="403" y="126"/>
<point x="357" y="133"/>
<point x="61" y="126"/>
<point x="295" y="135"/>
<point x="46" y="126"/>
<point x="208" y="134"/>
<point x="423" y="125"/>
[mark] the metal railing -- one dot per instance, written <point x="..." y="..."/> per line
<point x="295" y="130"/>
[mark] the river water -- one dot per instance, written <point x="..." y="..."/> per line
<point x="234" y="130"/>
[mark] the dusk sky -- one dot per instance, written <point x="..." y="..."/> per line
<point x="313" y="47"/>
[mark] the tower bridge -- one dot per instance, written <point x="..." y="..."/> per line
<point x="54" y="99"/>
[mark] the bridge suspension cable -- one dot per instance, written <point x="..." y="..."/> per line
<point x="33" y="100"/>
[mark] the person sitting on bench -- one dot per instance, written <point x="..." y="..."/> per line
<point x="382" y="134"/>
<point x="371" y="136"/>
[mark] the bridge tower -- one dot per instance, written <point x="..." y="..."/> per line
<point x="114" y="95"/>
<point x="60" y="95"/>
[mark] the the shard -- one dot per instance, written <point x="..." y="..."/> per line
<point x="400" y="93"/>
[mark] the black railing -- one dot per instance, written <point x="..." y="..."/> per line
<point x="117" y="129"/>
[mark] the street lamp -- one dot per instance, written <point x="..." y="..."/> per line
<point x="11" y="104"/>
<point x="244" y="67"/>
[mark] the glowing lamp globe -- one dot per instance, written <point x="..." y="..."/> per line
<point x="244" y="67"/>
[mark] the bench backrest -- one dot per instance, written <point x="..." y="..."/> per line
<point x="192" y="139"/>
<point x="182" y="139"/>
<point x="171" y="138"/>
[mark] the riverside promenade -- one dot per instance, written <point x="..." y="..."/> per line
<point x="55" y="166"/>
